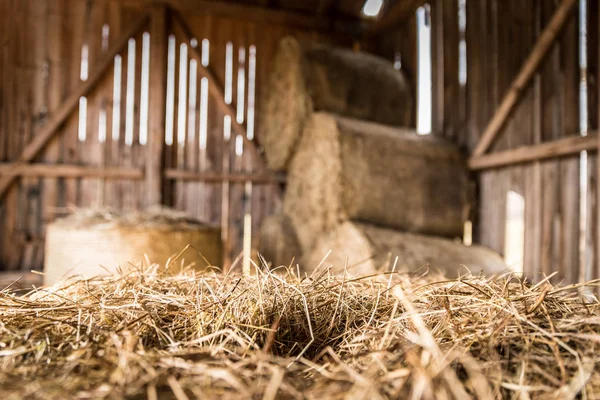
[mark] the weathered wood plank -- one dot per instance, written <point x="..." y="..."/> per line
<point x="156" y="105"/>
<point x="69" y="171"/>
<point x="530" y="66"/>
<point x="40" y="141"/>
<point x="567" y="146"/>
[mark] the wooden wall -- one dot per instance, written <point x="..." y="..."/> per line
<point x="41" y="44"/>
<point x="499" y="35"/>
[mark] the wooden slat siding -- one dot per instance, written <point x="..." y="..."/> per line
<point x="258" y="178"/>
<point x="480" y="90"/>
<point x="105" y="94"/>
<point x="194" y="198"/>
<point x="451" y="125"/>
<point x="569" y="167"/>
<point x="112" y="147"/>
<point x="138" y="150"/>
<point x="550" y="171"/>
<point x="55" y="62"/>
<point x="38" y="99"/>
<point x="530" y="65"/>
<point x="180" y="147"/>
<point x="236" y="192"/>
<point x="90" y="148"/>
<point x="597" y="192"/>
<point x="128" y="192"/>
<point x="592" y="63"/>
<point x="77" y="21"/>
<point x="437" y="67"/>
<point x="8" y="205"/>
<point x="26" y="39"/>
<point x="156" y="105"/>
<point x="591" y="253"/>
<point x="71" y="171"/>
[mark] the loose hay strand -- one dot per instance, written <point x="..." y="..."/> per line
<point x="272" y="335"/>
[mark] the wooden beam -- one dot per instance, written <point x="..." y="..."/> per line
<point x="33" y="148"/>
<point x="218" y="177"/>
<point x="595" y="265"/>
<point x="12" y="170"/>
<point x="398" y="13"/>
<point x="256" y="13"/>
<point x="215" y="89"/>
<point x="559" y="148"/>
<point x="529" y="68"/>
<point x="324" y="7"/>
<point x="156" y="105"/>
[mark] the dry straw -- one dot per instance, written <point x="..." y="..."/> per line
<point x="276" y="335"/>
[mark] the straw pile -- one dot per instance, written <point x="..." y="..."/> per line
<point x="90" y="242"/>
<point x="311" y="77"/>
<point x="366" y="248"/>
<point x="269" y="336"/>
<point x="349" y="169"/>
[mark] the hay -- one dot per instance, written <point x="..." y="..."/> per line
<point x="349" y="169"/>
<point x="272" y="336"/>
<point x="369" y="249"/>
<point x="287" y="105"/>
<point x="279" y="241"/>
<point x="311" y="77"/>
<point x="92" y="242"/>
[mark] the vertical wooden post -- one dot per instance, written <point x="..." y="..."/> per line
<point x="596" y="273"/>
<point x="156" y="105"/>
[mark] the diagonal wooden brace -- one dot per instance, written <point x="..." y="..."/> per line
<point x="33" y="148"/>
<point x="528" y="70"/>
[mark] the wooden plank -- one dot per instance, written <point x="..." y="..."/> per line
<point x="399" y="12"/>
<point x="216" y="91"/>
<point x="268" y="16"/>
<point x="597" y="266"/>
<point x="55" y="83"/>
<point x="325" y="7"/>
<point x="217" y="177"/>
<point x="70" y="104"/>
<point x="569" y="201"/>
<point x="69" y="171"/>
<point x="567" y="146"/>
<point x="511" y="99"/>
<point x="156" y="106"/>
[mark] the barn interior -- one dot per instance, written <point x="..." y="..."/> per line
<point x="414" y="166"/>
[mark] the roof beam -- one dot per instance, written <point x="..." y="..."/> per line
<point x="393" y="17"/>
<point x="324" y="7"/>
<point x="262" y="14"/>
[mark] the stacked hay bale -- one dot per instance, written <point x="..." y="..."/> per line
<point x="359" y="183"/>
<point x="93" y="242"/>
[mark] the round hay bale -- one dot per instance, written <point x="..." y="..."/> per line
<point x="89" y="243"/>
<point x="348" y="169"/>
<point x="312" y="77"/>
<point x="369" y="249"/>
<point x="278" y="241"/>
